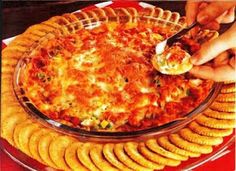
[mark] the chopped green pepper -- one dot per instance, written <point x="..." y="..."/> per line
<point x="188" y="92"/>
<point x="41" y="75"/>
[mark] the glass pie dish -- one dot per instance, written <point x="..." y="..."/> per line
<point x="63" y="127"/>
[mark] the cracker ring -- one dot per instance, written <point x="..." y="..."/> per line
<point x="228" y="88"/>
<point x="229" y="82"/>
<point x="166" y="15"/>
<point x="131" y="148"/>
<point x="22" y="40"/>
<point x="83" y="155"/>
<point x="223" y="107"/>
<point x="123" y="15"/>
<point x="71" y="17"/>
<point x="83" y="16"/>
<point x="186" y="145"/>
<point x="174" y="17"/>
<point x="133" y="13"/>
<point x="155" y="147"/>
<point x="219" y="115"/>
<point x="18" y="129"/>
<point x="215" y="123"/>
<point x="40" y="28"/>
<point x="109" y="155"/>
<point x="9" y="63"/>
<point x="24" y="136"/>
<point x="165" y="143"/>
<point x="57" y="149"/>
<point x="98" y="159"/>
<point x="109" y="12"/>
<point x="33" y="37"/>
<point x="43" y="148"/>
<point x="8" y="125"/>
<point x="156" y="157"/>
<point x="93" y="16"/>
<point x="18" y="47"/>
<point x="158" y="12"/>
<point x="13" y="107"/>
<point x="33" y="143"/>
<point x="211" y="132"/>
<point x="51" y="24"/>
<point x="100" y="13"/>
<point x="229" y="97"/>
<point x="149" y="11"/>
<point x="121" y="155"/>
<point x="71" y="157"/>
<point x="188" y="135"/>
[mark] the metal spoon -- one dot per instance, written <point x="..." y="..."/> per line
<point x="160" y="47"/>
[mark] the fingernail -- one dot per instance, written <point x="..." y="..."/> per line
<point x="203" y="19"/>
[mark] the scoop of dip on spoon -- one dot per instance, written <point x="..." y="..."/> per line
<point x="172" y="60"/>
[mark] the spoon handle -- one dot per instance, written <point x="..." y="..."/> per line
<point x="179" y="34"/>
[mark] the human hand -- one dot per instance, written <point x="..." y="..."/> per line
<point x="210" y="13"/>
<point x="223" y="51"/>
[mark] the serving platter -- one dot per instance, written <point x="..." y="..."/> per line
<point x="171" y="142"/>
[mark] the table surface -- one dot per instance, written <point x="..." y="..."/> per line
<point x="19" y="15"/>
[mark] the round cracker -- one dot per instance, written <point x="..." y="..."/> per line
<point x="188" y="135"/>
<point x="57" y="149"/>
<point x="215" y="123"/>
<point x="98" y="159"/>
<point x="229" y="97"/>
<point x="71" y="157"/>
<point x="219" y="115"/>
<point x="109" y="155"/>
<point x="124" y="158"/>
<point x="8" y="125"/>
<point x="228" y="88"/>
<point x="181" y="143"/>
<point x="43" y="148"/>
<point x="229" y="82"/>
<point x="223" y="107"/>
<point x="155" y="147"/>
<point x="131" y="148"/>
<point x="165" y="143"/>
<point x="18" y="129"/>
<point x="156" y="157"/>
<point x="34" y="141"/>
<point x="12" y="109"/>
<point x="24" y="136"/>
<point x="83" y="155"/>
<point x="211" y="132"/>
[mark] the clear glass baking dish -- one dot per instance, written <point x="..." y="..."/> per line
<point x="96" y="135"/>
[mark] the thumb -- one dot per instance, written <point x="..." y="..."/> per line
<point x="213" y="48"/>
<point x="214" y="10"/>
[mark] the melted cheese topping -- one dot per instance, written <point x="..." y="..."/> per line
<point x="103" y="79"/>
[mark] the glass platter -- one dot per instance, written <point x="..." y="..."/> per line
<point x="103" y="135"/>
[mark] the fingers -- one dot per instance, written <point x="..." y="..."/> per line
<point x="221" y="59"/>
<point x="227" y="17"/>
<point x="218" y="74"/>
<point x="191" y="11"/>
<point x="213" y="25"/>
<point x="232" y="63"/>
<point x="214" y="10"/>
<point x="213" y="48"/>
